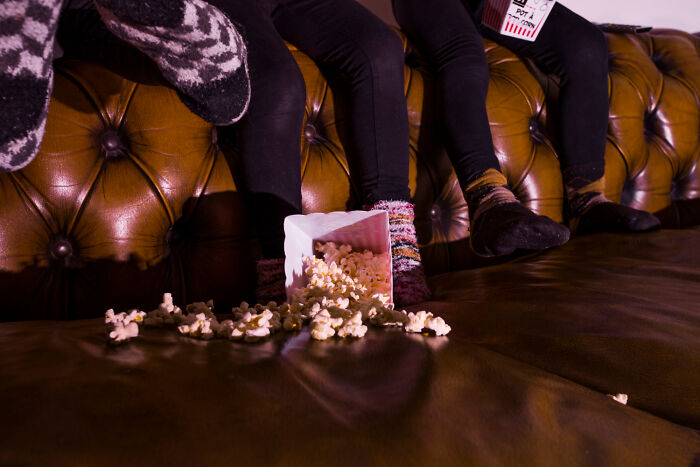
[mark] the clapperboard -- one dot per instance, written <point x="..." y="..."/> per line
<point x="517" y="18"/>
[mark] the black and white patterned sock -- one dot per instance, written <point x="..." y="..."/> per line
<point x="196" y="47"/>
<point x="27" y="31"/>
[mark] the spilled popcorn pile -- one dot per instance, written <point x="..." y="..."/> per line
<point x="345" y="291"/>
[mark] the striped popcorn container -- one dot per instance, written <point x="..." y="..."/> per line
<point x="363" y="230"/>
<point x="522" y="19"/>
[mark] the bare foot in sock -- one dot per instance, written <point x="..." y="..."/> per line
<point x="612" y="217"/>
<point x="500" y="225"/>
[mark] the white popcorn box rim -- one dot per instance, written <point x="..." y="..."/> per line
<point x="363" y="230"/>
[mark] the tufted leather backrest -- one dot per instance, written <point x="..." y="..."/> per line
<point x="654" y="139"/>
<point x="132" y="195"/>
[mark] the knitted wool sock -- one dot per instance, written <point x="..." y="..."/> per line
<point x="27" y="31"/>
<point x="499" y="224"/>
<point x="407" y="270"/>
<point x="270" y="281"/>
<point x="196" y="47"/>
<point x="592" y="212"/>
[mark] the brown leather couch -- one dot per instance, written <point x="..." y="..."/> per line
<point x="133" y="196"/>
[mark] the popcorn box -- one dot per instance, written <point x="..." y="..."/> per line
<point x="363" y="230"/>
<point x="522" y="19"/>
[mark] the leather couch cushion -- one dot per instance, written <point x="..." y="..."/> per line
<point x="132" y="195"/>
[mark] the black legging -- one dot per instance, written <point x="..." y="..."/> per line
<point x="568" y="46"/>
<point x="349" y="39"/>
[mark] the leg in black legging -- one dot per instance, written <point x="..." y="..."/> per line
<point x="269" y="134"/>
<point x="268" y="148"/>
<point x="346" y="37"/>
<point x="446" y="35"/>
<point x="576" y="51"/>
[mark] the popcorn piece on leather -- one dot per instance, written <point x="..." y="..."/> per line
<point x="438" y="325"/>
<point x="201" y="307"/>
<point x="122" y="327"/>
<point x="352" y="326"/>
<point x="621" y="398"/>
<point x="202" y="327"/>
<point x="134" y="315"/>
<point x="123" y="332"/>
<point x="416" y="321"/>
<point x="388" y="317"/>
<point x="252" y="324"/>
<point x="166" y="313"/>
<point x="293" y="322"/>
<point x="321" y="326"/>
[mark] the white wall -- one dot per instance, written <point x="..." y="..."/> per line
<point x="679" y="14"/>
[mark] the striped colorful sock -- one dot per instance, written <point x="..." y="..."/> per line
<point x="409" y="277"/>
<point x="270" y="281"/>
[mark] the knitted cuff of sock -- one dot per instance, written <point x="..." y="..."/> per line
<point x="486" y="191"/>
<point x="584" y="194"/>
<point x="489" y="178"/>
<point x="493" y="197"/>
<point x="404" y="242"/>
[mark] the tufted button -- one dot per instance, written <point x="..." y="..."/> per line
<point x="536" y="130"/>
<point x="435" y="213"/>
<point x="62" y="251"/>
<point x="173" y="237"/>
<point x="649" y="124"/>
<point x="659" y="60"/>
<point x="628" y="191"/>
<point x="61" y="248"/>
<point x="112" y="145"/>
<point x="311" y="133"/>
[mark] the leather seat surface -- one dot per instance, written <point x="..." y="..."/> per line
<point x="521" y="379"/>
